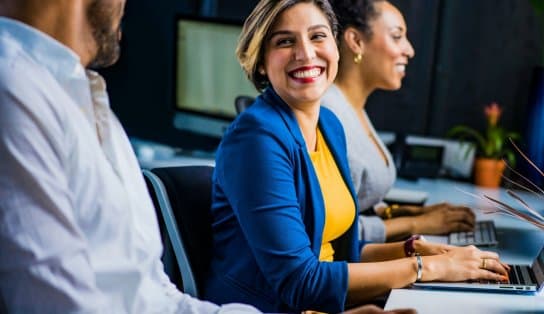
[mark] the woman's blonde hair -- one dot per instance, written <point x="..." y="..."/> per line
<point x="252" y="40"/>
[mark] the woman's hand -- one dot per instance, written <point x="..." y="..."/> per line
<point x="425" y="248"/>
<point x="443" y="219"/>
<point x="433" y="207"/>
<point x="465" y="263"/>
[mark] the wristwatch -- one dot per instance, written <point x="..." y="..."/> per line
<point x="409" y="249"/>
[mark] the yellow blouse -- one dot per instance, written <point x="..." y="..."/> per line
<point x="339" y="204"/>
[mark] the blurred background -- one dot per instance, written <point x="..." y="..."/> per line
<point x="468" y="54"/>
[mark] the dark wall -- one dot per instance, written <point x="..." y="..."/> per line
<point x="468" y="53"/>
<point x="488" y="57"/>
<point x="407" y="110"/>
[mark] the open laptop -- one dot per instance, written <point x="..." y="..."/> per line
<point x="523" y="279"/>
<point x="405" y="197"/>
<point x="484" y="234"/>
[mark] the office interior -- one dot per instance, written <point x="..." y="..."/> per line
<point x="468" y="54"/>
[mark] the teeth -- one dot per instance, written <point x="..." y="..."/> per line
<point x="308" y="73"/>
<point x="400" y="67"/>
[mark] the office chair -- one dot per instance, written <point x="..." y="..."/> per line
<point x="183" y="200"/>
<point x="241" y="103"/>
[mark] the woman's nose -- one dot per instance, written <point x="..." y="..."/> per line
<point x="304" y="50"/>
<point x="409" y="50"/>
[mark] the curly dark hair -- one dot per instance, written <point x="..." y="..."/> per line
<point x="355" y="13"/>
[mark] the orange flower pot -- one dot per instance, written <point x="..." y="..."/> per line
<point x="488" y="172"/>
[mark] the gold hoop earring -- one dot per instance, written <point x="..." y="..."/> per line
<point x="358" y="57"/>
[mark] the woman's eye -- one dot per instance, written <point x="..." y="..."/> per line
<point x="284" y="42"/>
<point x="319" y="36"/>
<point x="397" y="37"/>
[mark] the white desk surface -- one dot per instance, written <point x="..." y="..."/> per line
<point x="519" y="243"/>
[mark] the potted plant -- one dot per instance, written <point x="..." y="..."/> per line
<point x="492" y="147"/>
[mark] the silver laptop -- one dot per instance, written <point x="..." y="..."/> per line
<point x="484" y="234"/>
<point x="523" y="279"/>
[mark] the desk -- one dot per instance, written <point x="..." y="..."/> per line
<point x="519" y="243"/>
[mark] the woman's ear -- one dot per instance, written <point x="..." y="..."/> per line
<point x="353" y="39"/>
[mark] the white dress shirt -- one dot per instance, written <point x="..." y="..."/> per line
<point x="78" y="231"/>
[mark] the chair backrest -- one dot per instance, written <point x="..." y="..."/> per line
<point x="169" y="260"/>
<point x="241" y="103"/>
<point x="184" y="201"/>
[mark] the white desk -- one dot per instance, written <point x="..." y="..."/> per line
<point x="519" y="243"/>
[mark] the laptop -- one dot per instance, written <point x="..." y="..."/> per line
<point x="484" y="234"/>
<point x="405" y="197"/>
<point x="523" y="279"/>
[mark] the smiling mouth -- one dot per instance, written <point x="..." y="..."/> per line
<point x="400" y="68"/>
<point x="306" y="74"/>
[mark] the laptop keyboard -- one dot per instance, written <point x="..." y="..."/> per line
<point x="518" y="275"/>
<point x="521" y="275"/>
<point x="484" y="235"/>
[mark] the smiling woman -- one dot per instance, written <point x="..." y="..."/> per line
<point x="283" y="208"/>
<point x="375" y="52"/>
<point x="271" y="164"/>
<point x="301" y="58"/>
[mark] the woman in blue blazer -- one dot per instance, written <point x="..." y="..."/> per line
<point x="269" y="206"/>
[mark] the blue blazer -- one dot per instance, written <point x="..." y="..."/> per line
<point x="268" y="215"/>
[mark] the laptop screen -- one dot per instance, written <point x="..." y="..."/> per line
<point x="538" y="268"/>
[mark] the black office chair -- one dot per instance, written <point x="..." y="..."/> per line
<point x="183" y="200"/>
<point x="241" y="103"/>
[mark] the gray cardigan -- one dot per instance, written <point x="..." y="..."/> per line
<point x="372" y="178"/>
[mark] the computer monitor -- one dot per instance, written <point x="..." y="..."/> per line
<point x="208" y="75"/>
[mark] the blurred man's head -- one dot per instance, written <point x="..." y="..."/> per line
<point x="91" y="28"/>
<point x="104" y="19"/>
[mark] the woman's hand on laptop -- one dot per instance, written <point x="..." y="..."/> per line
<point x="425" y="248"/>
<point x="464" y="263"/>
<point x="444" y="219"/>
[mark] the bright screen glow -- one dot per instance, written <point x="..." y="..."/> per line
<point x="209" y="76"/>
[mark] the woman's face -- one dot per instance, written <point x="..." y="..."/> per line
<point x="301" y="57"/>
<point x="387" y="52"/>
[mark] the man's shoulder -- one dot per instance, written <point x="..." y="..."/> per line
<point x="25" y="88"/>
<point x="18" y="72"/>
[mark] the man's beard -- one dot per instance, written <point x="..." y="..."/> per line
<point x="106" y="38"/>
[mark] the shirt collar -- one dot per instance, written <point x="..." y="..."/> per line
<point x="62" y="62"/>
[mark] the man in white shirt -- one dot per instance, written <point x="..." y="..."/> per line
<point x="78" y="232"/>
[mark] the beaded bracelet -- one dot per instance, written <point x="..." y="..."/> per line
<point x="389" y="211"/>
<point x="409" y="248"/>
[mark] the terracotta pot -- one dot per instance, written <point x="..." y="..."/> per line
<point x="488" y="172"/>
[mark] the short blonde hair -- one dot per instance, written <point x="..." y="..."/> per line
<point x="252" y="40"/>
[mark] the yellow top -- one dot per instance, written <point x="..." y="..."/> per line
<point x="339" y="204"/>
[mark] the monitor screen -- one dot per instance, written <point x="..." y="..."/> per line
<point x="208" y="76"/>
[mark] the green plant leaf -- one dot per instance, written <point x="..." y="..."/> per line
<point x="538" y="5"/>
<point x="462" y="131"/>
<point x="513" y="135"/>
<point x="511" y="158"/>
<point x="495" y="142"/>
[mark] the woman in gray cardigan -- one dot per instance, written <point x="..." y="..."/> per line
<point x="374" y="53"/>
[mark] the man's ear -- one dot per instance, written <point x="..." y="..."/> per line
<point x="353" y="39"/>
